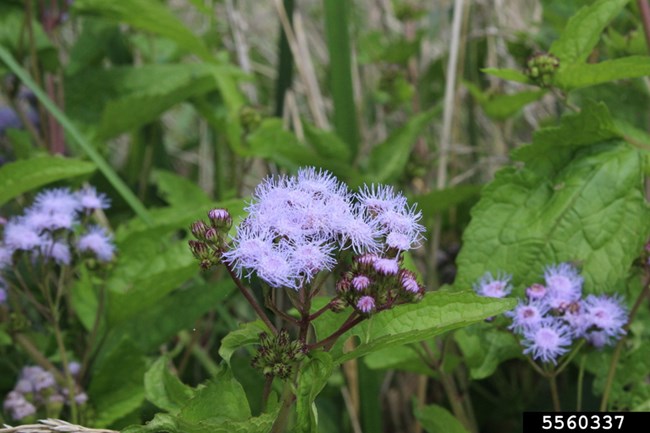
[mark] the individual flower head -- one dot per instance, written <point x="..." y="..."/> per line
<point x="21" y="236"/>
<point x="378" y="199"/>
<point x="98" y="242"/>
<point x="90" y="200"/>
<point x="39" y="378"/>
<point x="57" y="250"/>
<point x="385" y="266"/>
<point x="548" y="341"/>
<point x="361" y="233"/>
<point x="320" y="183"/>
<point x="41" y="220"/>
<point x="17" y="405"/>
<point x="564" y="284"/>
<point x="536" y="292"/>
<point x="275" y="268"/>
<point x="408" y="281"/>
<point x="493" y="287"/>
<point x="366" y="304"/>
<point x="249" y="246"/>
<point x="606" y="314"/>
<point x="360" y="282"/>
<point x="58" y="200"/>
<point x="311" y="257"/>
<point x="527" y="315"/>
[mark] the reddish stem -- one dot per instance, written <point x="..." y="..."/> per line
<point x="251" y="300"/>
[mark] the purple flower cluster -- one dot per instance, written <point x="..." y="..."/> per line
<point x="53" y="228"/>
<point x="297" y="225"/>
<point x="37" y="389"/>
<point x="554" y="314"/>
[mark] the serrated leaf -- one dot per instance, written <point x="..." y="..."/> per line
<point x="590" y="74"/>
<point x="247" y="334"/>
<point x="437" y="419"/>
<point x="582" y="32"/>
<point x="162" y="422"/>
<point x="577" y="199"/>
<point x="440" y="200"/>
<point x="259" y="424"/>
<point x="221" y="399"/>
<point x="314" y="373"/>
<point x="20" y="176"/>
<point x="388" y="159"/>
<point x="508" y="74"/>
<point x="119" y="99"/>
<point x="437" y="313"/>
<point x="164" y="389"/>
<point x="484" y="348"/>
<point x="148" y="15"/>
<point x="116" y="387"/>
<point x="178" y="191"/>
<point x="404" y="359"/>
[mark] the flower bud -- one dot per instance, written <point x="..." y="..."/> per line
<point x="337" y="305"/>
<point x="220" y="219"/>
<point x="541" y="68"/>
<point x="198" y="229"/>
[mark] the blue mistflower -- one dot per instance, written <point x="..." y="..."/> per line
<point x="564" y="284"/>
<point x="494" y="287"/>
<point x="98" y="242"/>
<point x="607" y="316"/>
<point x="528" y="315"/>
<point x="548" y="341"/>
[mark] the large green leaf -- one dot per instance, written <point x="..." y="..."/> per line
<point x="164" y="389"/>
<point x="590" y="74"/>
<point x="116" y="386"/>
<point x="405" y="359"/>
<point x="583" y="30"/>
<point x="508" y="74"/>
<point x="179" y="191"/>
<point x="501" y="107"/>
<point x="247" y="334"/>
<point x="437" y="419"/>
<point x="314" y="373"/>
<point x="327" y="143"/>
<point x="148" y="15"/>
<point x="484" y="348"/>
<point x="13" y="24"/>
<point x="388" y="159"/>
<point x="438" y="312"/>
<point x="577" y="198"/>
<point x="439" y="200"/>
<point x="21" y="176"/>
<point x="119" y="99"/>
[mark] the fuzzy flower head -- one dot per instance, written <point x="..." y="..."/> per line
<point x="493" y="287"/>
<point x="90" y="200"/>
<point x="564" y="284"/>
<point x="360" y="282"/>
<point x="57" y="201"/>
<point x="98" y="242"/>
<point x="606" y="314"/>
<point x="366" y="304"/>
<point x="547" y="342"/>
<point x="21" y="236"/>
<point x="528" y="315"/>
<point x="18" y="406"/>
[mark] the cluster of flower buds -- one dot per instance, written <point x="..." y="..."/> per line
<point x="554" y="314"/>
<point x="277" y="355"/>
<point x="541" y="68"/>
<point x="210" y="238"/>
<point x="378" y="283"/>
<point x="36" y="394"/>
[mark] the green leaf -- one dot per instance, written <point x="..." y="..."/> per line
<point x="326" y="143"/>
<point x="21" y="176"/>
<point x="164" y="389"/>
<point x="13" y="24"/>
<point x="179" y="191"/>
<point x="120" y="99"/>
<point x="116" y="386"/>
<point x="404" y="359"/>
<point x="590" y="74"/>
<point x="388" y="159"/>
<point x="583" y="30"/>
<point x="148" y="15"/>
<point x="222" y="399"/>
<point x="314" y="373"/>
<point x="338" y="47"/>
<point x="439" y="200"/>
<point x="501" y="107"/>
<point x="577" y="198"/>
<point x="247" y="334"/>
<point x="437" y="419"/>
<point x="437" y="313"/>
<point x="162" y="422"/>
<point x="508" y="74"/>
<point x="484" y="348"/>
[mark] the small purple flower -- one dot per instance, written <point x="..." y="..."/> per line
<point x="97" y="241"/>
<point x="19" y="408"/>
<point x="5" y="257"/>
<point x="575" y="316"/>
<point x="536" y="291"/>
<point x="81" y="398"/>
<point x="378" y="199"/>
<point x="58" y="250"/>
<point x="493" y="287"/>
<point x="366" y="259"/>
<point x="361" y="233"/>
<point x="527" y="316"/>
<point x="360" y="282"/>
<point x="40" y="378"/>
<point x="548" y="341"/>
<point x="366" y="304"/>
<point x="386" y="266"/>
<point x="598" y="339"/>
<point x="74" y="368"/>
<point x="275" y="268"/>
<point x="57" y="201"/>
<point x="40" y="219"/>
<point x="607" y="314"/>
<point x="309" y="258"/>
<point x="21" y="236"/>
<point x="409" y="282"/>
<point x="91" y="200"/>
<point x="564" y="284"/>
